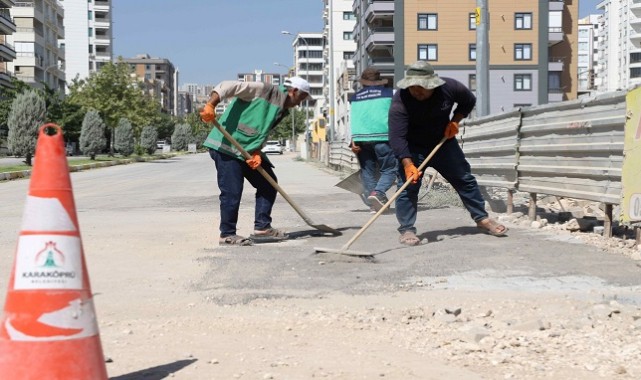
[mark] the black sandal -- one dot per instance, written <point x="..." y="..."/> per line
<point x="235" y="240"/>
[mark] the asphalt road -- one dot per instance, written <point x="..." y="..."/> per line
<point x="173" y="204"/>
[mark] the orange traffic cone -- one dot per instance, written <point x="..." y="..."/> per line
<point x="49" y="328"/>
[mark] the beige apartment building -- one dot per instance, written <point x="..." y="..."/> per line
<point x="159" y="78"/>
<point x="532" y="46"/>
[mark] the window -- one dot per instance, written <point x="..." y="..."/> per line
<point x="90" y="31"/>
<point x="471" y="82"/>
<point x="472" y="22"/>
<point x="89" y="15"/>
<point x="523" y="21"/>
<point x="472" y="52"/>
<point x="522" y="82"/>
<point x="635" y="72"/>
<point x="522" y="52"/>
<point x="427" y="21"/>
<point x="90" y="49"/>
<point x="347" y="36"/>
<point x="520" y="105"/>
<point x="554" y="81"/>
<point x="427" y="52"/>
<point x="348" y="16"/>
<point x="348" y="54"/>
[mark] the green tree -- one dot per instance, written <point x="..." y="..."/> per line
<point x="124" y="139"/>
<point x="92" y="134"/>
<point x="148" y="138"/>
<point x="26" y="116"/>
<point x="283" y="130"/>
<point x="199" y="129"/>
<point x="114" y="93"/>
<point x="181" y="137"/>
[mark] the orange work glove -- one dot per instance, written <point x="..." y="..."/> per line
<point x="208" y="114"/>
<point x="412" y="172"/>
<point x="255" y="161"/>
<point x="451" y="130"/>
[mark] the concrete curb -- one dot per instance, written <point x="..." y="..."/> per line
<point x="8" y="176"/>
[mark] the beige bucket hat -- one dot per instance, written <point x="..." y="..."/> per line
<point x="421" y="74"/>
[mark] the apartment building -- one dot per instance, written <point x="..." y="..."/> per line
<point x="159" y="78"/>
<point x="184" y="104"/>
<point x="376" y="36"/>
<point x="619" y="65"/>
<point x="532" y="54"/>
<point x="88" y="42"/>
<point x="587" y="54"/>
<point x="39" y="28"/>
<point x="339" y="21"/>
<point x="7" y="51"/>
<point x="260" y="76"/>
<point x="309" y="64"/>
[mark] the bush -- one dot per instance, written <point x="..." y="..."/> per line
<point x="181" y="137"/>
<point x="124" y="139"/>
<point x="148" y="138"/>
<point x="26" y="116"/>
<point x="92" y="134"/>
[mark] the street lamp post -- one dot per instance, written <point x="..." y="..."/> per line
<point x="293" y="142"/>
<point x="306" y="76"/>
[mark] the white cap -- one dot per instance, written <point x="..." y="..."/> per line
<point x="299" y="83"/>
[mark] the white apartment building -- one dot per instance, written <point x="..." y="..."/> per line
<point x="619" y="45"/>
<point x="309" y="64"/>
<point x="39" y="28"/>
<point x="588" y="54"/>
<point x="339" y="20"/>
<point x="89" y="38"/>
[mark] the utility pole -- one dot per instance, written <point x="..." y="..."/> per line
<point x="482" y="59"/>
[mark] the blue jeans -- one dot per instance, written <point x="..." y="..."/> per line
<point x="231" y="173"/>
<point x="451" y="164"/>
<point x="372" y="155"/>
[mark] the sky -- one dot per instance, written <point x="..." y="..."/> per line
<point x="209" y="41"/>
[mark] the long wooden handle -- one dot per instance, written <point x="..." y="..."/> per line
<point x="393" y="198"/>
<point x="262" y="172"/>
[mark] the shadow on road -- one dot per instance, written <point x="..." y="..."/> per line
<point x="156" y="373"/>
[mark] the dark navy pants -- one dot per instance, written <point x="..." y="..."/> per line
<point x="231" y="174"/>
<point x="451" y="164"/>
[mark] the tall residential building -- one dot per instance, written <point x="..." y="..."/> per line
<point x="39" y="27"/>
<point x="184" y="104"/>
<point x="588" y="54"/>
<point x="308" y="63"/>
<point x="159" y="78"/>
<point x="7" y="51"/>
<point x="339" y="20"/>
<point x="619" y="45"/>
<point x="377" y="38"/>
<point x="532" y="54"/>
<point x="88" y="42"/>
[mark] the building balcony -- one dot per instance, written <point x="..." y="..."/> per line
<point x="25" y="9"/>
<point x="635" y="7"/>
<point x="555" y="36"/>
<point x="7" y="27"/>
<point x="7" y="52"/>
<point x="380" y="38"/>
<point x="7" y="3"/>
<point x="555" y="64"/>
<point x="5" y="78"/>
<point x="557" y="5"/>
<point x="379" y="9"/>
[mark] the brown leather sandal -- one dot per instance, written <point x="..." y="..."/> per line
<point x="492" y="227"/>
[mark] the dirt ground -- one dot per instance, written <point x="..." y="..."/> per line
<point x="172" y="304"/>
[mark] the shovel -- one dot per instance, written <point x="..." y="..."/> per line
<point x="345" y="249"/>
<point x="320" y="227"/>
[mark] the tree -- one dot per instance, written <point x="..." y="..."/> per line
<point x="283" y="130"/>
<point x="199" y="129"/>
<point x="124" y="139"/>
<point x="26" y="116"/>
<point x="115" y="93"/>
<point x="181" y="137"/>
<point x="92" y="134"/>
<point x="148" y="139"/>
